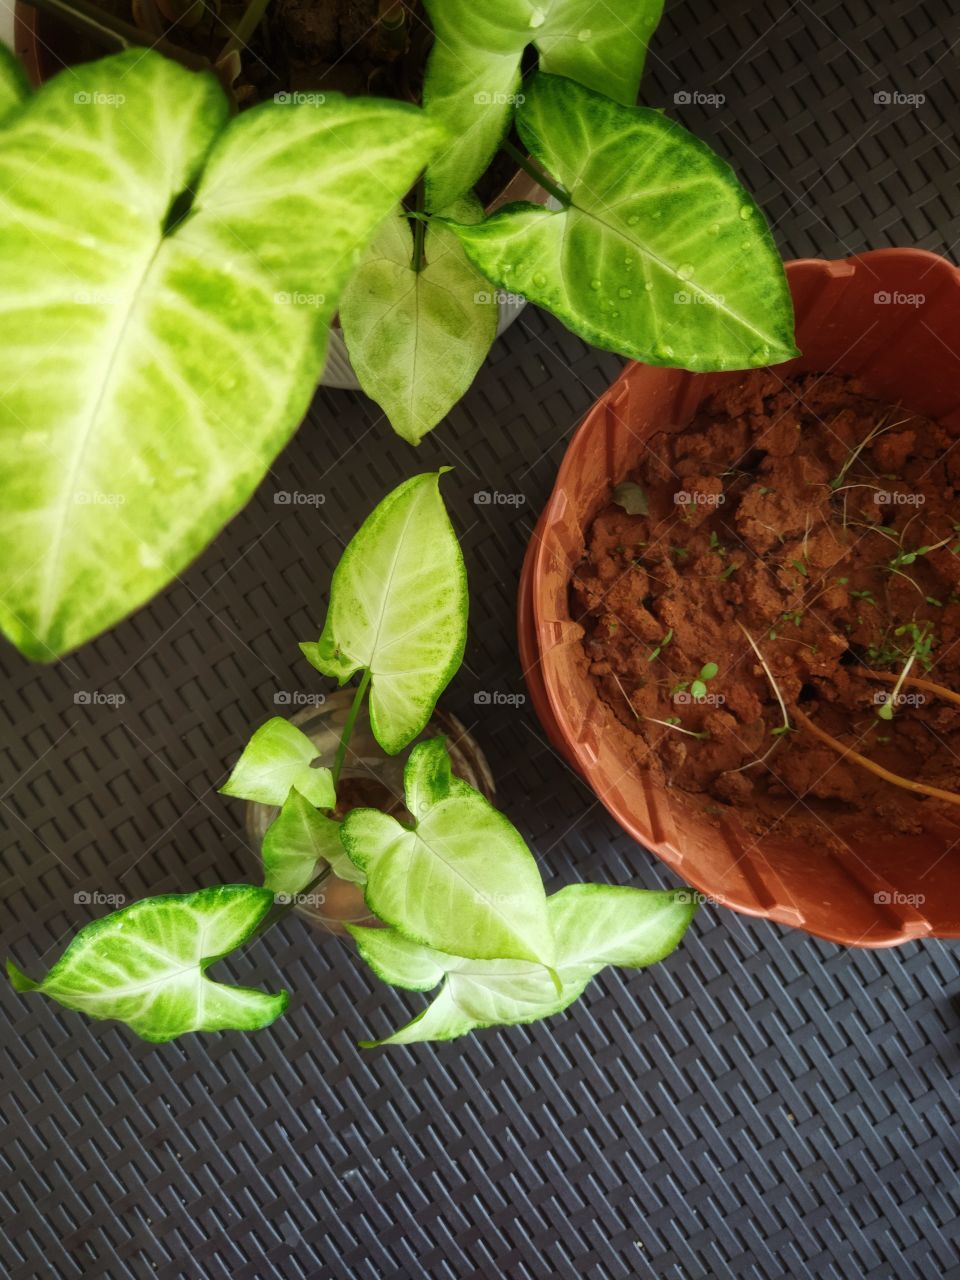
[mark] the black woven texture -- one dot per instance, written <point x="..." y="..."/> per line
<point x="760" y="1105"/>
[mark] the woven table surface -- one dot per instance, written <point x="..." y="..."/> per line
<point x="760" y="1105"/>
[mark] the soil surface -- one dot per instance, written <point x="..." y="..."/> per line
<point x="828" y="526"/>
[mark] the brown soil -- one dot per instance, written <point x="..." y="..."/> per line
<point x="332" y="46"/>
<point x="811" y="552"/>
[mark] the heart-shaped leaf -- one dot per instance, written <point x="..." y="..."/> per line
<point x="297" y="840"/>
<point x="461" y="880"/>
<point x="660" y="254"/>
<point x="398" y="609"/>
<point x="277" y="758"/>
<point x="144" y="965"/>
<point x="594" y="926"/>
<point x="473" y="74"/>
<point x="167" y="279"/>
<point x="417" y="337"/>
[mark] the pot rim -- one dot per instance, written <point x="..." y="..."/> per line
<point x="536" y="635"/>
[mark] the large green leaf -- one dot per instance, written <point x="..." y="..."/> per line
<point x="277" y="758"/>
<point x="460" y="880"/>
<point x="144" y="965"/>
<point x="417" y="337"/>
<point x="398" y="609"/>
<point x="473" y="73"/>
<point x="14" y="88"/>
<point x="297" y="840"/>
<point x="594" y="925"/>
<point x="153" y="364"/>
<point x="660" y="255"/>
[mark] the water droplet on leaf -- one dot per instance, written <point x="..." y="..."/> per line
<point x="624" y="292"/>
<point x="594" y="284"/>
<point x="539" y="278"/>
<point x="745" y="211"/>
<point x="685" y="270"/>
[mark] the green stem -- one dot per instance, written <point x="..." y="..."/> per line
<point x="535" y="172"/>
<point x="419" y="228"/>
<point x="281" y="909"/>
<point x="252" y="17"/>
<point x="351" y="720"/>
<point x="105" y="29"/>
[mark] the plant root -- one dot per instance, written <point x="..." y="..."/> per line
<point x="921" y="788"/>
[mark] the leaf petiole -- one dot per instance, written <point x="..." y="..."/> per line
<point x="348" y="727"/>
<point x="535" y="172"/>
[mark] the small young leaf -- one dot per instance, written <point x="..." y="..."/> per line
<point x="398" y="608"/>
<point x="661" y="255"/>
<point x="298" y="838"/>
<point x="698" y="689"/>
<point x="594" y="926"/>
<point x="276" y="758"/>
<point x="461" y="880"/>
<point x="632" y="498"/>
<point x="708" y="670"/>
<point x="417" y="338"/>
<point x="473" y="72"/>
<point x="144" y="965"/>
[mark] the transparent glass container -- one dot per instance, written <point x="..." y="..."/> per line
<point x="371" y="779"/>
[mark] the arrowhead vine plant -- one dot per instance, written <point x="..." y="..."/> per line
<point x="457" y="893"/>
<point x="169" y="272"/>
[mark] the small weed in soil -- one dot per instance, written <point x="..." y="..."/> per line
<point x="813" y="615"/>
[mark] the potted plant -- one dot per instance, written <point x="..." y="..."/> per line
<point x="190" y="265"/>
<point x="456" y="893"/>
<point x="739" y="612"/>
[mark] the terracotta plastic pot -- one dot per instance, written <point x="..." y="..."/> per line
<point x="892" y="318"/>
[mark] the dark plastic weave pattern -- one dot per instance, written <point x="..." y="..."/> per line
<point x="761" y="1105"/>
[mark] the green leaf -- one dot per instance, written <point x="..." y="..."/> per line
<point x="144" y="965"/>
<point x="417" y="338"/>
<point x="169" y="276"/>
<point x="398" y="961"/>
<point x="661" y="254"/>
<point x="398" y="608"/>
<point x="461" y="880"/>
<point x="698" y="689"/>
<point x="297" y="840"/>
<point x="632" y="498"/>
<point x="278" y="757"/>
<point x="594" y="926"/>
<point x="708" y="670"/>
<point x="14" y="88"/>
<point x="473" y="74"/>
